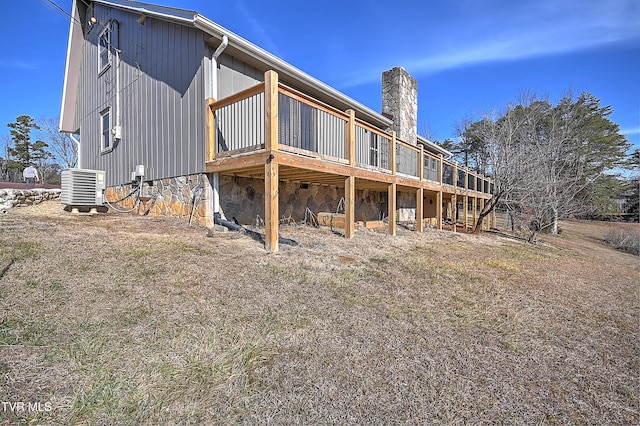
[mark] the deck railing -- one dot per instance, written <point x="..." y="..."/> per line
<point x="431" y="167"/>
<point x="373" y="147"/>
<point x="310" y="127"/>
<point x="407" y="159"/>
<point x="306" y="124"/>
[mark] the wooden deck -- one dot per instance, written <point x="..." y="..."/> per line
<point x="337" y="149"/>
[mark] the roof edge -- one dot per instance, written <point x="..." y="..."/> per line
<point x="435" y="146"/>
<point x="205" y="24"/>
<point x="193" y="18"/>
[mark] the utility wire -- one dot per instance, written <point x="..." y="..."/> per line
<point x="51" y="5"/>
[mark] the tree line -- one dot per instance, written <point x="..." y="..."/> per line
<point x="549" y="161"/>
<point x="50" y="152"/>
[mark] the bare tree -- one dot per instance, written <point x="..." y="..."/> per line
<point x="545" y="160"/>
<point x="63" y="148"/>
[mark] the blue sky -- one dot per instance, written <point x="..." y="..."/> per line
<point x="468" y="56"/>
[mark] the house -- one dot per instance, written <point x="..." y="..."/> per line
<point x="215" y="126"/>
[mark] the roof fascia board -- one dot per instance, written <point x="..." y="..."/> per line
<point x="71" y="72"/>
<point x="202" y="23"/>
<point x="249" y="48"/>
<point x="435" y="146"/>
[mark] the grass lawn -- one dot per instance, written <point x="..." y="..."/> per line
<point x="117" y="319"/>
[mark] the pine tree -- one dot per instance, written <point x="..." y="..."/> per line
<point x="24" y="151"/>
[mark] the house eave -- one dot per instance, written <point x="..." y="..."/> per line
<point x="434" y="147"/>
<point x="71" y="73"/>
<point x="287" y="70"/>
<point x="191" y="18"/>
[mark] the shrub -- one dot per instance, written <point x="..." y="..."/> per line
<point x="624" y="239"/>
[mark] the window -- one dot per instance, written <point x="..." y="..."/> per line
<point x="106" y="136"/>
<point x="104" y="49"/>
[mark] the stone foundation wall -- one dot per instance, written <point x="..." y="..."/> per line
<point x="243" y="199"/>
<point x="184" y="197"/>
<point x="10" y="198"/>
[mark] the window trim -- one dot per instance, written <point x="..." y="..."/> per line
<point x="107" y="32"/>
<point x="104" y="148"/>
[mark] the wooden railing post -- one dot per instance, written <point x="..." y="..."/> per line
<point x="392" y="153"/>
<point x="271" y="111"/>
<point x="210" y="135"/>
<point x="350" y="149"/>
<point x="271" y="170"/>
<point x="440" y="169"/>
<point x="455" y="177"/>
<point x="421" y="164"/>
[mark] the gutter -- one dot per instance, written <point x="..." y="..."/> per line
<point x="424" y="141"/>
<point x="272" y="61"/>
<point x="193" y="18"/>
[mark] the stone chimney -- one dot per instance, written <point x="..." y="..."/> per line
<point x="400" y="103"/>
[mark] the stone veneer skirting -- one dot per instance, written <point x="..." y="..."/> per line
<point x="243" y="199"/>
<point x="184" y="197"/>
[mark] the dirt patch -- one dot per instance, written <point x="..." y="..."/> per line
<point x="121" y="319"/>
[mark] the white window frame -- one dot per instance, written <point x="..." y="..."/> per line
<point x="104" y="45"/>
<point x="106" y="134"/>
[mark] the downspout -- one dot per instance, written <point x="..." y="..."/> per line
<point x="117" y="130"/>
<point x="77" y="143"/>
<point x="217" y="213"/>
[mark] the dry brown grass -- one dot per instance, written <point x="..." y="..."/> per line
<point x="114" y="319"/>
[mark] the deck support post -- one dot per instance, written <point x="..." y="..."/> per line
<point x="392" y="208"/>
<point x="271" y="169"/>
<point x="439" y="210"/>
<point x="420" y="193"/>
<point x="493" y="219"/>
<point x="454" y="212"/>
<point x="419" y="209"/>
<point x="271" y="221"/>
<point x="474" y="212"/>
<point x="465" y="200"/>
<point x="481" y="209"/>
<point x="349" y="206"/>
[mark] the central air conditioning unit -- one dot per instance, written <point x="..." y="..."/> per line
<point x="82" y="187"/>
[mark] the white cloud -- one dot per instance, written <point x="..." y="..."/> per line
<point x="634" y="131"/>
<point x="264" y="40"/>
<point x="513" y="31"/>
<point x="16" y="63"/>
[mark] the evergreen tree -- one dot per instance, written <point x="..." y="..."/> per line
<point x="24" y="151"/>
<point x="633" y="185"/>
